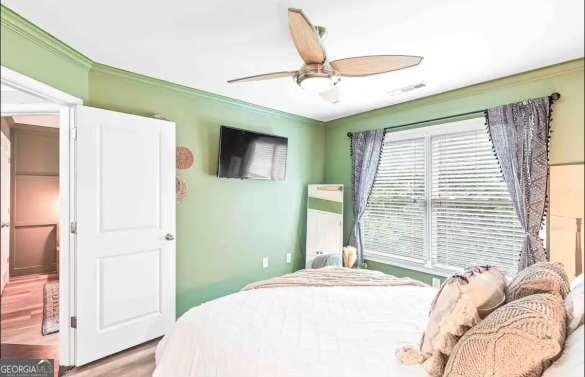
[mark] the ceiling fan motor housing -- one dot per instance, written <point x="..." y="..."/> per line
<point x="317" y="77"/>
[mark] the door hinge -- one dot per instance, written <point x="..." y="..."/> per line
<point x="73" y="322"/>
<point x="73" y="227"/>
<point x="74" y="133"/>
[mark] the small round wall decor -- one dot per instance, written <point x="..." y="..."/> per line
<point x="184" y="158"/>
<point x="182" y="189"/>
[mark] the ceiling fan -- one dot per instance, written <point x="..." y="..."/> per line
<point x="320" y="75"/>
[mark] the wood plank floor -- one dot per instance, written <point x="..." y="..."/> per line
<point x="21" y="313"/>
<point x="135" y="362"/>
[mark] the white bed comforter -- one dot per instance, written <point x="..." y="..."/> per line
<point x="298" y="332"/>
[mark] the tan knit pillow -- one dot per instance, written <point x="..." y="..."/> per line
<point x="542" y="277"/>
<point x="460" y="304"/>
<point x="520" y="339"/>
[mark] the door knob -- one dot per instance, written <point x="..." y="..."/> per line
<point x="169" y="237"/>
<point x="5" y="225"/>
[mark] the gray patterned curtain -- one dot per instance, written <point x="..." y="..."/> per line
<point x="520" y="134"/>
<point x="365" y="151"/>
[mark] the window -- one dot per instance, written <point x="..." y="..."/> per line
<point x="439" y="202"/>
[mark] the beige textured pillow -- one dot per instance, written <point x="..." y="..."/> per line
<point x="460" y="304"/>
<point x="520" y="339"/>
<point x="542" y="277"/>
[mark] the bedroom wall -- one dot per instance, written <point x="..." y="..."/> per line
<point x="224" y="227"/>
<point x="567" y="142"/>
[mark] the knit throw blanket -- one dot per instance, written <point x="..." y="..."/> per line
<point x="334" y="277"/>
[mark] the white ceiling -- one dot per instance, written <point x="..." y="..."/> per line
<point x="203" y="44"/>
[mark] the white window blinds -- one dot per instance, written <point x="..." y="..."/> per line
<point x="439" y="202"/>
<point x="395" y="215"/>
<point x="473" y="220"/>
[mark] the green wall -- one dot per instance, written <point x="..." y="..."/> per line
<point x="224" y="227"/>
<point x="567" y="142"/>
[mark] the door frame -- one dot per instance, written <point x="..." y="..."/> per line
<point x="63" y="104"/>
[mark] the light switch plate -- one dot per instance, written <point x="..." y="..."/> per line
<point x="265" y="262"/>
<point x="288" y="257"/>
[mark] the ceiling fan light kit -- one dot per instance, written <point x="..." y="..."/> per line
<point x="316" y="78"/>
<point x="318" y="75"/>
<point x="316" y="84"/>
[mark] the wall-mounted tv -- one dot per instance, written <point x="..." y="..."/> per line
<point x="251" y="155"/>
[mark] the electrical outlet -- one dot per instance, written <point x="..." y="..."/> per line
<point x="436" y="282"/>
<point x="265" y="262"/>
<point x="288" y="257"/>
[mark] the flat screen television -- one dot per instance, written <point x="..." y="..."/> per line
<point x="251" y="155"/>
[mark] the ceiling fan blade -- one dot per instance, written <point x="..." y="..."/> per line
<point x="305" y="37"/>
<point x="332" y="95"/>
<point x="374" y="64"/>
<point x="265" y="76"/>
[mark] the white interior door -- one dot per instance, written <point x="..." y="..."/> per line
<point x="125" y="254"/>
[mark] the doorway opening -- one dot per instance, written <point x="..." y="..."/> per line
<point x="36" y="272"/>
<point x="30" y="218"/>
<point x="30" y="235"/>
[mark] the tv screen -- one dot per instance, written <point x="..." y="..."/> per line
<point x="251" y="155"/>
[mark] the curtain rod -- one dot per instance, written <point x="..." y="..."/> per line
<point x="553" y="97"/>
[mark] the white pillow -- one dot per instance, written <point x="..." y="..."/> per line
<point x="571" y="363"/>
<point x="574" y="303"/>
<point x="578" y="281"/>
<point x="464" y="299"/>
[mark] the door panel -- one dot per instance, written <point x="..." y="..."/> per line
<point x="130" y="191"/>
<point x="118" y="300"/>
<point x="125" y="207"/>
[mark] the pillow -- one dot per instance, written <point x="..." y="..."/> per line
<point x="579" y="280"/>
<point x="517" y="340"/>
<point x="460" y="304"/>
<point x="574" y="304"/>
<point x="542" y="277"/>
<point x="570" y="364"/>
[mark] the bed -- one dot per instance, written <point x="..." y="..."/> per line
<point x="299" y="331"/>
<point x="329" y="322"/>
